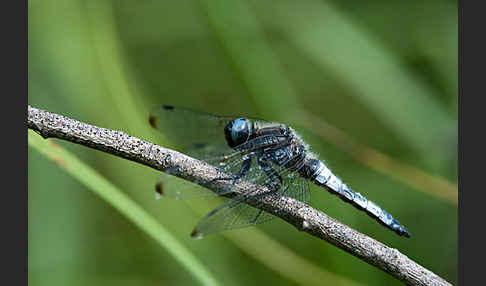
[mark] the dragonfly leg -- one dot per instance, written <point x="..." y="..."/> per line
<point x="245" y="168"/>
<point x="273" y="185"/>
<point x="271" y="173"/>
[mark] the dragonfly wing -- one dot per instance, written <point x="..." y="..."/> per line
<point x="173" y="187"/>
<point x="197" y="133"/>
<point x="177" y="188"/>
<point x="299" y="189"/>
<point x="236" y="213"/>
<point x="230" y="215"/>
<point x="231" y="162"/>
<point x="180" y="189"/>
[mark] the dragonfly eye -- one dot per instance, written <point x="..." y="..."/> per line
<point x="237" y="132"/>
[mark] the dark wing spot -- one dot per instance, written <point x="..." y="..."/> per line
<point x="196" y="235"/>
<point x="168" y="107"/>
<point x="159" y="188"/>
<point x="153" y="121"/>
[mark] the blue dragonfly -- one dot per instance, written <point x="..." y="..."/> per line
<point x="265" y="153"/>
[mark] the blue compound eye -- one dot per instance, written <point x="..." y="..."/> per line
<point x="237" y="132"/>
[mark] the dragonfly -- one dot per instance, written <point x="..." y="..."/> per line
<point x="262" y="152"/>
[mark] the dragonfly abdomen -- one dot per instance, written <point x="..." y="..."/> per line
<point x="322" y="176"/>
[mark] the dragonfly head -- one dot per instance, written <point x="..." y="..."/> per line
<point x="237" y="131"/>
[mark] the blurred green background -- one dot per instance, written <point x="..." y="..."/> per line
<point x="370" y="85"/>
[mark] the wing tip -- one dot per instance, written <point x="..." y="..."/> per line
<point x="153" y="121"/>
<point x="196" y="234"/>
<point x="159" y="188"/>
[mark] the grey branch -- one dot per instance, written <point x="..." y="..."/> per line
<point x="298" y="214"/>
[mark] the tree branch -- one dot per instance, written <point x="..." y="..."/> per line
<point x="300" y="215"/>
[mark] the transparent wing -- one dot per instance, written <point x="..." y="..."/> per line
<point x="177" y="188"/>
<point x="230" y="162"/>
<point x="198" y="134"/>
<point x="173" y="187"/>
<point x="235" y="213"/>
<point x="191" y="130"/>
<point x="169" y="186"/>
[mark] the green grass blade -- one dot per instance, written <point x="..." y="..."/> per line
<point x="241" y="36"/>
<point x="373" y="74"/>
<point x="122" y="203"/>
<point x="286" y="261"/>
